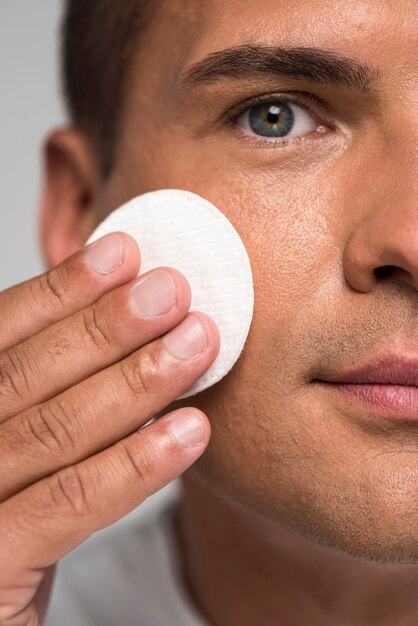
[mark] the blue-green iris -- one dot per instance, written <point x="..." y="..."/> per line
<point x="271" y="119"/>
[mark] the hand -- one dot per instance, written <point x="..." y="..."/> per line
<point x="86" y="359"/>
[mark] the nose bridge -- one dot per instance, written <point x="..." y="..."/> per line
<point x="393" y="211"/>
<point x="382" y="243"/>
<point x="401" y="166"/>
<point x="398" y="122"/>
<point x="402" y="142"/>
<point x="396" y="203"/>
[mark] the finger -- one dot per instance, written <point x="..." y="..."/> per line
<point x="90" y="340"/>
<point x="74" y="284"/>
<point x="44" y="522"/>
<point x="106" y="407"/>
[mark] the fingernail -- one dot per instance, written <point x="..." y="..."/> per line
<point x="155" y="294"/>
<point x="106" y="254"/>
<point x="187" y="340"/>
<point x="187" y="429"/>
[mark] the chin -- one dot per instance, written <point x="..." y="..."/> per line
<point x="367" y="518"/>
<point x="381" y="548"/>
<point x="382" y="528"/>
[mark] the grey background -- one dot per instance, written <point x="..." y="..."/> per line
<point x="29" y="106"/>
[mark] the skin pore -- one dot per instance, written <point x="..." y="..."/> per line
<point x="303" y="509"/>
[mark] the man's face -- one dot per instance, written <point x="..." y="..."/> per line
<point x="322" y="191"/>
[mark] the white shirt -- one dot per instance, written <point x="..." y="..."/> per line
<point x="127" y="575"/>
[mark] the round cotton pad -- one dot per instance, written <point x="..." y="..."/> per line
<point x="182" y="230"/>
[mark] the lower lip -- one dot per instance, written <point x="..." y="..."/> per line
<point x="398" y="402"/>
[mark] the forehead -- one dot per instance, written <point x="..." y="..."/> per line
<point x="185" y="31"/>
<point x="198" y="27"/>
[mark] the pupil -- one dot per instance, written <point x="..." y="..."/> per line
<point x="272" y="118"/>
<point x="273" y="115"/>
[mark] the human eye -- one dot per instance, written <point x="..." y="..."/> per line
<point x="276" y="119"/>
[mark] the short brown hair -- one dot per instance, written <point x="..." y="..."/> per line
<point x="99" y="39"/>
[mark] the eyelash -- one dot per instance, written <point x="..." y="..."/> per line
<point x="308" y="101"/>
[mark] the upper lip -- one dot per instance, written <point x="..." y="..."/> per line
<point x="389" y="371"/>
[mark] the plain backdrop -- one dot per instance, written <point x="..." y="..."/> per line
<point x="30" y="106"/>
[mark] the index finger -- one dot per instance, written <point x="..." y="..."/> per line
<point x="74" y="284"/>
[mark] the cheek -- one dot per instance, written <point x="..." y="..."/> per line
<point x="287" y="229"/>
<point x="281" y="211"/>
<point x="284" y="222"/>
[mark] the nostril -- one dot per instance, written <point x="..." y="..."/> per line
<point x="383" y="271"/>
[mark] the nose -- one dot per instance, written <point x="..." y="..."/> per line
<point x="384" y="246"/>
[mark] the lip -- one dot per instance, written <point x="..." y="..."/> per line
<point x="384" y="371"/>
<point x="388" y="387"/>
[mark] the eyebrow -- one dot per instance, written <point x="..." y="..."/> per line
<point x="312" y="64"/>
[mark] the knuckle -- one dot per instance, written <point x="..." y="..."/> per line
<point x="95" y="328"/>
<point x="138" y="461"/>
<point x="68" y="490"/>
<point x="140" y="374"/>
<point x="52" y="286"/>
<point x="48" y="425"/>
<point x="15" y="370"/>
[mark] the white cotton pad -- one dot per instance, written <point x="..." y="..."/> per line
<point x="182" y="230"/>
